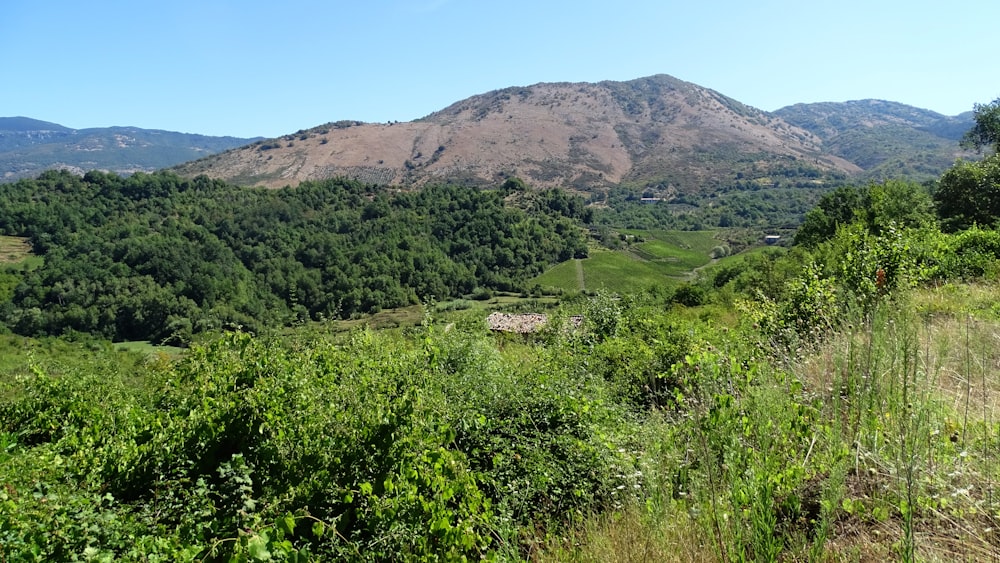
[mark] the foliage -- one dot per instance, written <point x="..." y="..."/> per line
<point x="834" y="209"/>
<point x="969" y="255"/>
<point x="969" y="194"/>
<point x="156" y="257"/>
<point x="876" y="205"/>
<point x="779" y="407"/>
<point x="986" y="131"/>
<point x="765" y="203"/>
<point x="437" y="447"/>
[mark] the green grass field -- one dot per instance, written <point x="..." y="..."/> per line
<point x="663" y="258"/>
<point x="563" y="276"/>
<point x="145" y="348"/>
<point x="710" y="269"/>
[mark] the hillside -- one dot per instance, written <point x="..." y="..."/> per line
<point x="657" y="132"/>
<point x="29" y="146"/>
<point x="886" y="139"/>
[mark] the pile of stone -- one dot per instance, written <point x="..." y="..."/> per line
<point x="524" y="323"/>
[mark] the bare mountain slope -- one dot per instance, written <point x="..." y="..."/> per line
<point x="655" y="130"/>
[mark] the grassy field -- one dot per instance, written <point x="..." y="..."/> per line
<point x="663" y="258"/>
<point x="728" y="261"/>
<point x="617" y="271"/>
<point x="564" y="276"/>
<point x="13" y="249"/>
<point x="145" y="348"/>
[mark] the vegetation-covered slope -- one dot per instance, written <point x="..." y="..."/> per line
<point x="159" y="257"/>
<point x="835" y="401"/>
<point x="886" y="139"/>
<point x="833" y="421"/>
<point x="29" y="146"/>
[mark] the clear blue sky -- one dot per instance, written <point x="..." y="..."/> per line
<point x="249" y="67"/>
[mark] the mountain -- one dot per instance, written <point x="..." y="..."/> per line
<point x="656" y="132"/>
<point x="886" y="139"/>
<point x="28" y="146"/>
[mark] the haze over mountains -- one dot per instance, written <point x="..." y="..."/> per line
<point x="29" y="146"/>
<point x="657" y="133"/>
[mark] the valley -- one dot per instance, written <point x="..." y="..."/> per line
<point x="304" y="369"/>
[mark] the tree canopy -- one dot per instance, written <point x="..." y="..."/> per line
<point x="158" y="257"/>
<point x="969" y="194"/>
<point x="986" y="132"/>
<point x="876" y="206"/>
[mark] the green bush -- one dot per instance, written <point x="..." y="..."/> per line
<point x="430" y="446"/>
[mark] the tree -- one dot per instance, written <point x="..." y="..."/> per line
<point x="834" y="209"/>
<point x="898" y="203"/>
<point x="986" y="131"/>
<point x="877" y="206"/>
<point x="969" y="193"/>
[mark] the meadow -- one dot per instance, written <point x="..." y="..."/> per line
<point x="650" y="258"/>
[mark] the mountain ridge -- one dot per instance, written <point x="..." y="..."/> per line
<point x="657" y="132"/>
<point x="884" y="137"/>
<point x="29" y="146"/>
<point x="579" y="135"/>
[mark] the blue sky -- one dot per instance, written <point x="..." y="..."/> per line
<point x="249" y="67"/>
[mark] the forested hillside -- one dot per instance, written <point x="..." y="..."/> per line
<point x="161" y="257"/>
<point x="29" y="146"/>
<point x="886" y="139"/>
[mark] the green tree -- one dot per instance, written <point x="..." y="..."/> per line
<point x="986" y="131"/>
<point x="834" y="209"/>
<point x="878" y="206"/>
<point x="969" y="194"/>
<point x="898" y="203"/>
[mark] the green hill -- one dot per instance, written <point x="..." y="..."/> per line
<point x="29" y="146"/>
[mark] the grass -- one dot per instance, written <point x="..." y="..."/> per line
<point x="663" y="258"/>
<point x="881" y="441"/>
<point x="145" y="348"/>
<point x="678" y="252"/>
<point x="563" y="276"/>
<point x="606" y="269"/>
<point x="877" y="442"/>
<point x="389" y="318"/>
<point x="14" y="250"/>
<point x="617" y="271"/>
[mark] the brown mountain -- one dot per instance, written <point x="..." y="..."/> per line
<point x="655" y="131"/>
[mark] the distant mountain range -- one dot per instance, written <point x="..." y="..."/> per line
<point x="29" y="146"/>
<point x="885" y="139"/>
<point x="660" y="134"/>
<point x="657" y="133"/>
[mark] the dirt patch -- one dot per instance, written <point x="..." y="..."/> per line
<point x="524" y="323"/>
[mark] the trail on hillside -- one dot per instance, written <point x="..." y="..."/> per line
<point x="693" y="274"/>
<point x="579" y="274"/>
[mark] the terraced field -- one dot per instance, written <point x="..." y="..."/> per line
<point x="13" y="249"/>
<point x="662" y="258"/>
